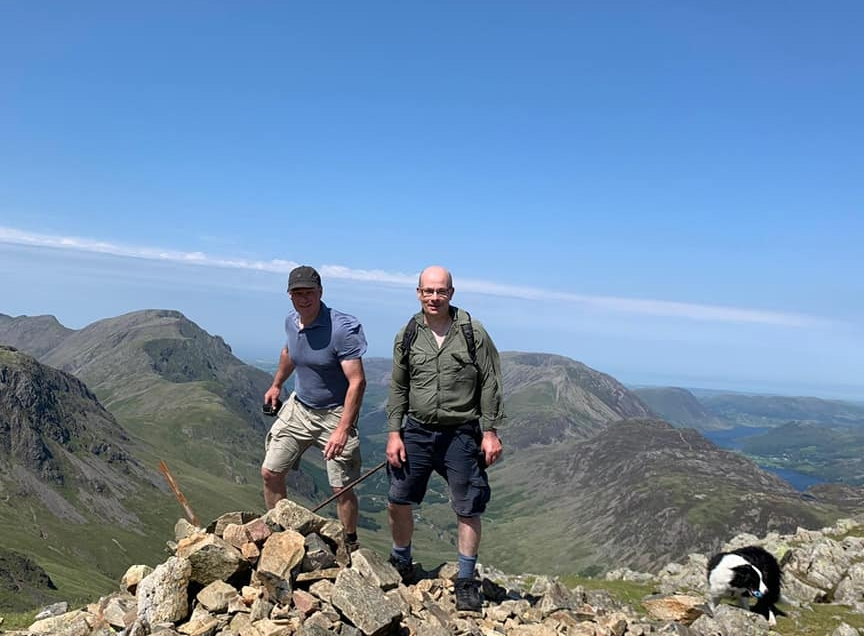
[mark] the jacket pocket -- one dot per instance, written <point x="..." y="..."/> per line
<point x="461" y="365"/>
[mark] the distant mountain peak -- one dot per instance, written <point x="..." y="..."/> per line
<point x="679" y="406"/>
<point x="35" y="334"/>
<point x="550" y="398"/>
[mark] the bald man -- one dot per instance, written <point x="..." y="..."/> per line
<point x="444" y="407"/>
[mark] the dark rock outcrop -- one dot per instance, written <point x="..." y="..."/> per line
<point x="23" y="582"/>
<point x="55" y="434"/>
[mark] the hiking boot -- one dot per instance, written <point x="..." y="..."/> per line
<point x="468" y="595"/>
<point x="404" y="568"/>
<point x="352" y="546"/>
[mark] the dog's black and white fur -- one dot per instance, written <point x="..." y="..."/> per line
<point x="749" y="571"/>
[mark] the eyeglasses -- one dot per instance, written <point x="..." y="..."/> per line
<point x="428" y="292"/>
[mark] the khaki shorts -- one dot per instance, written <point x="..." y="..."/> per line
<point x="297" y="427"/>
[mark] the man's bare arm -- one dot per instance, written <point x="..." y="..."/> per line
<point x="356" y="375"/>
<point x="283" y="372"/>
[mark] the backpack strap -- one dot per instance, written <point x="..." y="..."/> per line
<point x="468" y="333"/>
<point x="409" y="335"/>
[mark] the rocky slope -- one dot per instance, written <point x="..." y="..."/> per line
<point x="639" y="493"/>
<point x="287" y="572"/>
<point x="169" y="382"/>
<point x="70" y="468"/>
<point x="60" y="447"/>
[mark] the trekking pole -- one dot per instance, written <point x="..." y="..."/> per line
<point x="176" y="490"/>
<point x="349" y="486"/>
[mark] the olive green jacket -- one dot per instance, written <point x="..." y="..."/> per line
<point x="442" y="387"/>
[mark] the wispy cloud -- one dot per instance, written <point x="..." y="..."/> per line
<point x="638" y="306"/>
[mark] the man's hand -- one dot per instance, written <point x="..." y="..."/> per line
<point x="395" y="450"/>
<point x="491" y="447"/>
<point x="336" y="443"/>
<point x="272" y="395"/>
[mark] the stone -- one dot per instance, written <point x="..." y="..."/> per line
<point x="162" y="594"/>
<point x="55" y="609"/>
<point x="73" y="623"/>
<point x="239" y="518"/>
<point x="682" y="608"/>
<point x="287" y="515"/>
<point x="282" y="552"/>
<point x="363" y="604"/>
<point x="130" y="580"/>
<point x="305" y="603"/>
<point x="318" y="555"/>
<point x="211" y="558"/>
<point x="119" y="610"/>
<point x="250" y="551"/>
<point x="235" y="535"/>
<point x="216" y="596"/>
<point x="183" y="529"/>
<point x="375" y="569"/>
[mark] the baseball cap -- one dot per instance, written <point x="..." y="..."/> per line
<point x="303" y="276"/>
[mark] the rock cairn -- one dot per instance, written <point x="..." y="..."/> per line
<point x="288" y="573"/>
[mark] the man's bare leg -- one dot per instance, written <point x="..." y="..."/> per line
<point x="274" y="487"/>
<point x="347" y="509"/>
<point x="468" y="535"/>
<point x="401" y="520"/>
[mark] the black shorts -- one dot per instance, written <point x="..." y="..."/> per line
<point x="452" y="452"/>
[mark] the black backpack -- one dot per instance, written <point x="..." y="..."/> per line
<point x="410" y="335"/>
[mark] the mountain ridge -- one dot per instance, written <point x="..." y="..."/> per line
<point x="181" y="395"/>
<point x="551" y="398"/>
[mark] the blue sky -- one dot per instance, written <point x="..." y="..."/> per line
<point x="669" y="192"/>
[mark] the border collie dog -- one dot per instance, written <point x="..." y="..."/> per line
<point x="748" y="571"/>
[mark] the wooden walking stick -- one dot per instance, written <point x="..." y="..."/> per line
<point x="163" y="467"/>
<point x="349" y="486"/>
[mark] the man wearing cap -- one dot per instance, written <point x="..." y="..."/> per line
<point x="325" y="348"/>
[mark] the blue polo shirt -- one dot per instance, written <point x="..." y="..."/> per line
<point x="317" y="351"/>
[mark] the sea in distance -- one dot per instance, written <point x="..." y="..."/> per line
<point x="730" y="439"/>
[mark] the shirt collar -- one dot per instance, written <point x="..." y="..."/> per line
<point x="321" y="320"/>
